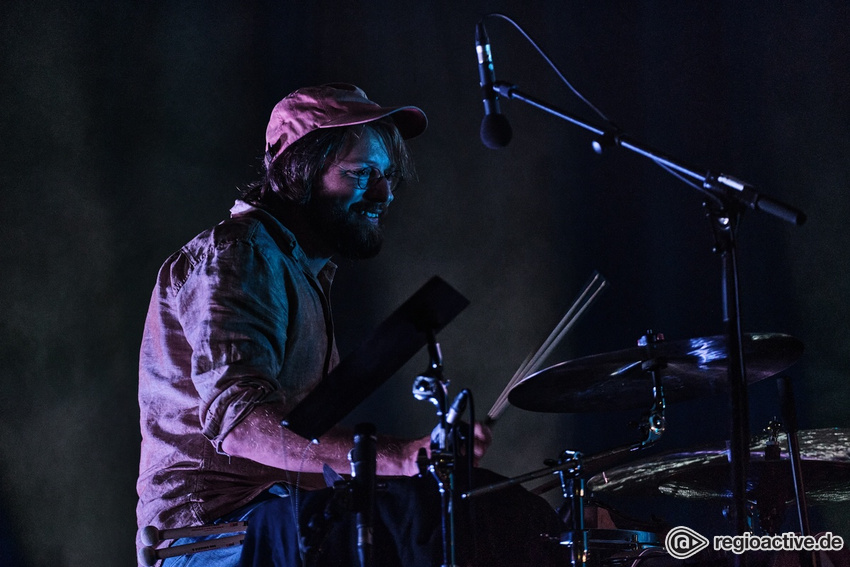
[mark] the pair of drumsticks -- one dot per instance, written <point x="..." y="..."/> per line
<point x="151" y="536"/>
<point x="533" y="362"/>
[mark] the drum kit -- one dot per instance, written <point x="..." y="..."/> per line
<point x="691" y="369"/>
<point x="649" y="375"/>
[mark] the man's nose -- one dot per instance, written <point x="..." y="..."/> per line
<point x="379" y="191"/>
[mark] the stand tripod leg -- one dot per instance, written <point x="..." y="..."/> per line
<point x="789" y="416"/>
<point x="573" y="489"/>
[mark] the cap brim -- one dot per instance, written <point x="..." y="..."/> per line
<point x="410" y="120"/>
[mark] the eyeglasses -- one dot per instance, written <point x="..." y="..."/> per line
<point x="366" y="177"/>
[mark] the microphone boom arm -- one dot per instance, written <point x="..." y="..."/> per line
<point x="720" y="187"/>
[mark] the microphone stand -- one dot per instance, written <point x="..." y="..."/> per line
<point x="363" y="484"/>
<point x="724" y="226"/>
<point x="432" y="386"/>
<point x="727" y="197"/>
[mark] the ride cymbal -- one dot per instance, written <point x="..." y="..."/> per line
<point x="692" y="368"/>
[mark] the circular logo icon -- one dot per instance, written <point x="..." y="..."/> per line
<point x="683" y="542"/>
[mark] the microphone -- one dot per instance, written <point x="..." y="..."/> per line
<point x="440" y="438"/>
<point x="363" y="458"/>
<point x="457" y="407"/>
<point x="495" y="130"/>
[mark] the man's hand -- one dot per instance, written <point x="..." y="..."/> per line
<point x="260" y="437"/>
<point x="483" y="438"/>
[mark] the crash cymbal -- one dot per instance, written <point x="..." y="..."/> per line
<point x="615" y="381"/>
<point x="704" y="473"/>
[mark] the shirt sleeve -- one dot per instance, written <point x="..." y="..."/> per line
<point x="234" y="311"/>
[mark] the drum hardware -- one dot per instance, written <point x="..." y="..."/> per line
<point x="570" y="468"/>
<point x="775" y="473"/>
<point x="653" y="428"/>
<point x="766" y="507"/>
<point x="577" y="538"/>
<point x="609" y="546"/>
<point x="571" y="465"/>
<point x="680" y="370"/>
<point x="789" y="414"/>
<point x="380" y="356"/>
<point x="655" y="423"/>
<point x="432" y="386"/>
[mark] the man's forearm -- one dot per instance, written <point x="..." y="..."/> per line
<point x="261" y="438"/>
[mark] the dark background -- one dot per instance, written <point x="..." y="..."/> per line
<point x="127" y="128"/>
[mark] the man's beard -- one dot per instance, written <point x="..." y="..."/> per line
<point x="345" y="230"/>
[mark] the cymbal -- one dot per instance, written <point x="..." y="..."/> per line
<point x="615" y="381"/>
<point x="703" y="473"/>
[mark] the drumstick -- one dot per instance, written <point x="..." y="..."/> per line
<point x="150" y="535"/>
<point x="532" y="363"/>
<point x="149" y="556"/>
<point x="578" y="309"/>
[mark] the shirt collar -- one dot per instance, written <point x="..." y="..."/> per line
<point x="288" y="243"/>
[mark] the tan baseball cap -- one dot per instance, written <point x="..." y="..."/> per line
<point x="331" y="105"/>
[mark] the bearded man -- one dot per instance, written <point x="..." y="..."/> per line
<point x="239" y="331"/>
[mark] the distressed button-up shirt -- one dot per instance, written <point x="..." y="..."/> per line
<point x="236" y="319"/>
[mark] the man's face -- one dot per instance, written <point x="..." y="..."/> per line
<point x="348" y="205"/>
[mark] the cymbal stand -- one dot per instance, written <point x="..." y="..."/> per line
<point x="432" y="386"/>
<point x="572" y="489"/>
<point x="656" y="423"/>
<point x="571" y="465"/>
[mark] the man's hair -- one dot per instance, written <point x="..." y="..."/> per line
<point x="289" y="179"/>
